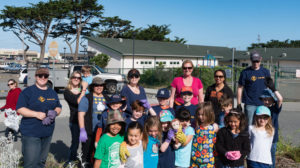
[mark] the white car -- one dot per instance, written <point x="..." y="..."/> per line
<point x="23" y="76"/>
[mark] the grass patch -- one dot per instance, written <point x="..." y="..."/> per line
<point x="286" y="149"/>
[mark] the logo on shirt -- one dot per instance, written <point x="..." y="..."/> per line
<point x="50" y="98"/>
<point x="155" y="148"/>
<point x="253" y="78"/>
<point x="41" y="99"/>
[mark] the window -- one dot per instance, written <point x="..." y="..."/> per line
<point x="146" y="62"/>
<point x="171" y="62"/>
<point x="178" y="62"/>
<point x="157" y="62"/>
<point x="164" y="62"/>
<point x="150" y="62"/>
<point x="142" y="62"/>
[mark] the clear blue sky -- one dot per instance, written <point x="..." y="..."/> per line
<point x="230" y="23"/>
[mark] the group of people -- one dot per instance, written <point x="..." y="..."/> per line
<point x="185" y="129"/>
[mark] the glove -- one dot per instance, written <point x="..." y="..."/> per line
<point x="52" y="114"/>
<point x="170" y="135"/>
<point x="181" y="137"/>
<point x="124" y="153"/>
<point x="47" y="121"/>
<point x="239" y="108"/>
<point x="145" y="103"/>
<point x="83" y="136"/>
<point x="270" y="84"/>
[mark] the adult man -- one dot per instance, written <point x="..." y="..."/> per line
<point x="39" y="105"/>
<point x="251" y="85"/>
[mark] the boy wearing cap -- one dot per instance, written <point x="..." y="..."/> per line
<point x="187" y="95"/>
<point x="251" y="85"/>
<point x="167" y="152"/>
<point x="273" y="100"/>
<point x="163" y="96"/>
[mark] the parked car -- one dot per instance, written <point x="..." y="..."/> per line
<point x="4" y="65"/>
<point x="23" y="76"/>
<point x="15" y="68"/>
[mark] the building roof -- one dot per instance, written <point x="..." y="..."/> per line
<point x="157" y="48"/>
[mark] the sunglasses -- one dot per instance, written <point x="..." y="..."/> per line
<point x="98" y="85"/>
<point x="9" y="84"/>
<point x="134" y="76"/>
<point x="264" y="117"/>
<point x="186" y="68"/>
<point x="219" y="76"/>
<point x="255" y="61"/>
<point x="42" y="75"/>
<point x="74" y="77"/>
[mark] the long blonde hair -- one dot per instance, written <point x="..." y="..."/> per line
<point x="269" y="127"/>
<point x="69" y="85"/>
<point x="152" y="121"/>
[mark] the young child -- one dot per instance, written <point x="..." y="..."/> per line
<point x="107" y="151"/>
<point x="86" y="75"/>
<point x="134" y="146"/>
<point x="226" y="105"/>
<point x="233" y="141"/>
<point x="138" y="114"/>
<point x="183" y="153"/>
<point x="273" y="100"/>
<point x="187" y="95"/>
<point x="151" y="140"/>
<point x="261" y="137"/>
<point x="167" y="152"/>
<point x="205" y="137"/>
<point x="163" y="96"/>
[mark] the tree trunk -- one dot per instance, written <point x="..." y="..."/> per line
<point x="42" y="53"/>
<point x="77" y="43"/>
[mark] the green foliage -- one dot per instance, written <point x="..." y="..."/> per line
<point x="114" y="27"/>
<point x="286" y="149"/>
<point x="277" y="44"/>
<point x="101" y="60"/>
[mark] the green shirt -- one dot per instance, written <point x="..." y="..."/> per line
<point x="108" y="151"/>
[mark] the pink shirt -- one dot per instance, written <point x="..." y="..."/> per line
<point x="196" y="86"/>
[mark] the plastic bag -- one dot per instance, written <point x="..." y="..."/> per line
<point x="12" y="120"/>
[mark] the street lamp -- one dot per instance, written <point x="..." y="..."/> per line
<point x="64" y="56"/>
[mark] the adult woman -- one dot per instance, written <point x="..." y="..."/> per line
<point x="217" y="90"/>
<point x="186" y="80"/>
<point x="39" y="105"/>
<point x="90" y="109"/>
<point x="11" y="102"/>
<point x="73" y="94"/>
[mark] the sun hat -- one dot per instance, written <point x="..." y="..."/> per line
<point x="186" y="90"/>
<point x="163" y="93"/>
<point x="98" y="81"/>
<point x="255" y="56"/>
<point x="165" y="116"/>
<point x="268" y="93"/>
<point x="115" y="116"/>
<point x="263" y="110"/>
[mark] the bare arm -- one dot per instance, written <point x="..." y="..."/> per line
<point x="200" y="96"/>
<point x="81" y="119"/>
<point x="97" y="163"/>
<point x="239" y="94"/>
<point x="279" y="97"/>
<point x="152" y="112"/>
<point x="84" y="87"/>
<point x="164" y="146"/>
<point x="30" y="113"/>
<point x="172" y="97"/>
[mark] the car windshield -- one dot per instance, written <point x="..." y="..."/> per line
<point x="100" y="69"/>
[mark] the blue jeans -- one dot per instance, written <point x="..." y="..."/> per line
<point x="35" y="151"/>
<point x="273" y="154"/>
<point x="249" y="112"/>
<point x="253" y="164"/>
<point x="75" y="141"/>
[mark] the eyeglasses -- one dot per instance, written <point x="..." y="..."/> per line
<point x="134" y="76"/>
<point x="9" y="84"/>
<point x="42" y="75"/>
<point x="75" y="77"/>
<point x="186" y="68"/>
<point x="219" y="76"/>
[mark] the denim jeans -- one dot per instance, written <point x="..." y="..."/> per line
<point x="35" y="151"/>
<point x="75" y="141"/>
<point x="273" y="153"/>
<point x="249" y="112"/>
<point x="253" y="164"/>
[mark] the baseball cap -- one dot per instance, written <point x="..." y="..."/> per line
<point x="163" y="93"/>
<point x="255" y="56"/>
<point x="42" y="71"/>
<point x="115" y="98"/>
<point x="263" y="110"/>
<point x="165" y="116"/>
<point x="268" y="93"/>
<point x="186" y="90"/>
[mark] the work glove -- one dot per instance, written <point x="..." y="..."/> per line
<point x="51" y="114"/>
<point x="47" y="121"/>
<point x="270" y="84"/>
<point x="83" y="136"/>
<point x="145" y="103"/>
<point x="181" y="137"/>
<point x="239" y="108"/>
<point x="124" y="153"/>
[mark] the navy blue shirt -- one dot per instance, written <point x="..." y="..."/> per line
<point x="254" y="83"/>
<point x="167" y="158"/>
<point x="141" y="120"/>
<point x="37" y="100"/>
<point x="275" y="110"/>
<point x="191" y="108"/>
<point x="131" y="97"/>
<point x="158" y="109"/>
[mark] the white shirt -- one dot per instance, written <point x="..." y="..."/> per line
<point x="261" y="143"/>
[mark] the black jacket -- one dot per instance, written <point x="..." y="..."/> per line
<point x="73" y="105"/>
<point x="226" y="142"/>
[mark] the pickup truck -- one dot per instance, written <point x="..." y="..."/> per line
<point x="58" y="78"/>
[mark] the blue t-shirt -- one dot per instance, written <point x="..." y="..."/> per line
<point x="151" y="153"/>
<point x="158" y="109"/>
<point x="275" y="110"/>
<point x="38" y="100"/>
<point x="141" y="120"/>
<point x="103" y="120"/>
<point x="183" y="153"/>
<point x="96" y="114"/>
<point x="131" y="97"/>
<point x="191" y="108"/>
<point x="167" y="158"/>
<point x="89" y="80"/>
<point x="254" y="83"/>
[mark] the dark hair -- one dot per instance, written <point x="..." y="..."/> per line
<point x="134" y="125"/>
<point x="208" y="112"/>
<point x="122" y="131"/>
<point x="138" y="106"/>
<point x="225" y="101"/>
<point x="240" y="116"/>
<point x="223" y="72"/>
<point x="132" y="71"/>
<point x="183" y="114"/>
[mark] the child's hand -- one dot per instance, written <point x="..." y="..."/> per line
<point x="181" y="137"/>
<point x="124" y="153"/>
